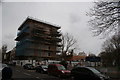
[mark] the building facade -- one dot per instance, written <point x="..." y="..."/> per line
<point x="37" y="40"/>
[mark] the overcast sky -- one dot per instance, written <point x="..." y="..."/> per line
<point x="71" y="16"/>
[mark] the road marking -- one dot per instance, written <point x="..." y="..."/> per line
<point x="37" y="77"/>
<point x="31" y="70"/>
<point x="17" y="70"/>
<point x="27" y="74"/>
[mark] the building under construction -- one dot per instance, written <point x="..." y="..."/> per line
<point x="37" y="40"/>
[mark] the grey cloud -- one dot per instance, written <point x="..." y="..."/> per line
<point x="70" y="16"/>
<point x="9" y="36"/>
<point x="74" y="18"/>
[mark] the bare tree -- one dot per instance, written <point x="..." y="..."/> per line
<point x="111" y="49"/>
<point x="108" y="46"/>
<point x="68" y="43"/>
<point x="105" y="18"/>
<point x="115" y="40"/>
<point x="4" y="49"/>
<point x="92" y="55"/>
<point x="112" y="44"/>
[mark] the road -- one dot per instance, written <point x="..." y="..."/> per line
<point x="22" y="74"/>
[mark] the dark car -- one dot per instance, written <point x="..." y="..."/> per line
<point x="2" y="66"/>
<point x="87" y="73"/>
<point x="41" y="69"/>
<point x="28" y="66"/>
<point x="5" y="72"/>
<point x="58" y="70"/>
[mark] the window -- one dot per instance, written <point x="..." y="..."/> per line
<point x="61" y="68"/>
<point x="48" y="54"/>
<point x="49" y="47"/>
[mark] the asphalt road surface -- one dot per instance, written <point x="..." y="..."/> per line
<point x="22" y="74"/>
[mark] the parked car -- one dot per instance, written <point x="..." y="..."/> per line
<point x="3" y="67"/>
<point x="28" y="66"/>
<point x="41" y="68"/>
<point x="58" y="70"/>
<point x="87" y="73"/>
<point x="6" y="73"/>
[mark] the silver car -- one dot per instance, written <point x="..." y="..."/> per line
<point x="1" y="67"/>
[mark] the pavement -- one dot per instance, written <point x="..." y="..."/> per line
<point x="112" y="72"/>
<point x="22" y="74"/>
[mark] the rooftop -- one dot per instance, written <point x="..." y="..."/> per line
<point x="37" y="20"/>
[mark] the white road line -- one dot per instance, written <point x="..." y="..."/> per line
<point x="26" y="74"/>
<point x="17" y="70"/>
<point x="37" y="77"/>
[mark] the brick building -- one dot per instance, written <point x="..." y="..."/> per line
<point x="37" y="40"/>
